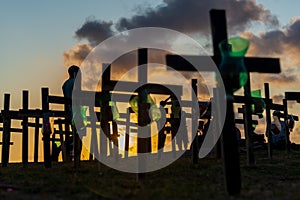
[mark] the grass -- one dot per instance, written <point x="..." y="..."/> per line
<point x="278" y="178"/>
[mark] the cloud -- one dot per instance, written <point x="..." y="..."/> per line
<point x="193" y="16"/>
<point x="189" y="16"/>
<point x="286" y="80"/>
<point x="283" y="78"/>
<point x="293" y="32"/>
<point x="76" y="55"/>
<point x="278" y="98"/>
<point x="95" y="31"/>
<point x="283" y="43"/>
<point x="277" y="42"/>
<point x="263" y="44"/>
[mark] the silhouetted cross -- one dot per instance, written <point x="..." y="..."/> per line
<point x="253" y="64"/>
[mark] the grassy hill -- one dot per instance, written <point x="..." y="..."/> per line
<point x="278" y="178"/>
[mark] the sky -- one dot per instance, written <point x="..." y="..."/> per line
<point x="41" y="39"/>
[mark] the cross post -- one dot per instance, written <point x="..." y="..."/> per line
<point x="261" y="65"/>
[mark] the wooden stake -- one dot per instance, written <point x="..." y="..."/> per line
<point x="6" y="131"/>
<point x="268" y="120"/>
<point x="195" y="147"/>
<point x="36" y="139"/>
<point x="25" y="131"/>
<point x="46" y="127"/>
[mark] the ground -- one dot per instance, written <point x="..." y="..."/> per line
<point x="278" y="178"/>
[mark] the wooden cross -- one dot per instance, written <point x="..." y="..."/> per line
<point x="23" y="114"/>
<point x="261" y="65"/>
<point x="289" y="96"/>
<point x="144" y="144"/>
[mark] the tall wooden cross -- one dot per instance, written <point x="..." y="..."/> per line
<point x="144" y="143"/>
<point x="253" y="64"/>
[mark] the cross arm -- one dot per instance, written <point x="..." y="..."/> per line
<point x="292" y="96"/>
<point x="206" y="63"/>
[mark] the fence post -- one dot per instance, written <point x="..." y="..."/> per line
<point x="248" y="123"/>
<point x="25" y="130"/>
<point x="194" y="120"/>
<point x="230" y="151"/>
<point x="216" y="116"/>
<point x="36" y="139"/>
<point x="94" y="139"/>
<point x="115" y="136"/>
<point x="68" y="141"/>
<point x="6" y="131"/>
<point x="143" y="143"/>
<point x="286" y="129"/>
<point x="62" y="141"/>
<point x="54" y="155"/>
<point x="46" y="127"/>
<point x="127" y="132"/>
<point x="268" y="120"/>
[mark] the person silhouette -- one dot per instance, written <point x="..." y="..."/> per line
<point x="75" y="112"/>
<point x="69" y="83"/>
<point x="278" y="131"/>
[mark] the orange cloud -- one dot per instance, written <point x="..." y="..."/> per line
<point x="76" y="55"/>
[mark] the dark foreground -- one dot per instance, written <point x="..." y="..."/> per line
<point x="269" y="179"/>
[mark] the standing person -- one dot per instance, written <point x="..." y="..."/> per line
<point x="77" y="112"/>
<point x="278" y="131"/>
<point x="68" y="85"/>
